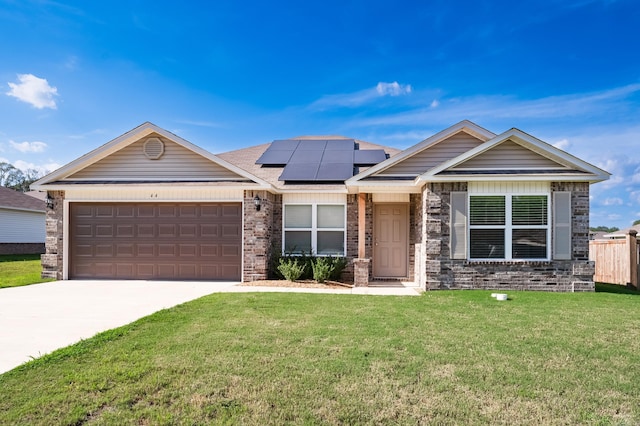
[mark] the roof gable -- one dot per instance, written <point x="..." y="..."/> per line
<point x="416" y="160"/>
<point x="148" y="154"/>
<point x="517" y="154"/>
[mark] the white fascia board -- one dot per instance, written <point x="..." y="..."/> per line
<point x="529" y="142"/>
<point x="22" y="210"/>
<point x="128" y="138"/>
<point x="465" y="125"/>
<point x="151" y="186"/>
<point x="508" y="178"/>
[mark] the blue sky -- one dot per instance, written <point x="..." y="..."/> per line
<point x="227" y="74"/>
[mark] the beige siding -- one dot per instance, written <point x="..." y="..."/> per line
<point x="509" y="155"/>
<point x="314" y="198"/>
<point x="433" y="156"/>
<point x="130" y="163"/>
<point x="390" y="198"/>
<point x="177" y="193"/>
<point x="509" y="187"/>
<point x="21" y="226"/>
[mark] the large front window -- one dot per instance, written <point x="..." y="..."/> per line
<point x="317" y="229"/>
<point x="509" y="227"/>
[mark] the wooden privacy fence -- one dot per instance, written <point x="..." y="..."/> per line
<point x="616" y="260"/>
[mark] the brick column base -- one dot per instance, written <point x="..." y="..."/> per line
<point x="361" y="272"/>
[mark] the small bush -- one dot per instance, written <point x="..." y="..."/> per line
<point x="322" y="269"/>
<point x="291" y="269"/>
<point x="338" y="264"/>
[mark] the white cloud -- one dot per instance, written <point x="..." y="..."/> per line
<point x="42" y="168"/>
<point x="393" y="89"/>
<point x="361" y="97"/>
<point x="562" y="144"/>
<point x="29" y="146"/>
<point x="509" y="108"/>
<point x="434" y="104"/>
<point x="34" y="90"/>
<point x="615" y="201"/>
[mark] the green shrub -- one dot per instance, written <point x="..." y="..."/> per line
<point x="322" y="269"/>
<point x="291" y="269"/>
<point x="338" y="264"/>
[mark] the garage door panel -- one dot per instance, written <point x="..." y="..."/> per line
<point x="104" y="211"/>
<point x="229" y="250"/>
<point x="165" y="250"/>
<point x="156" y="240"/>
<point x="209" y="230"/>
<point x="104" y="231"/>
<point x="231" y="231"/>
<point x="145" y="230"/>
<point x="189" y="211"/>
<point x="124" y="211"/>
<point x="145" y="250"/>
<point x="208" y="250"/>
<point x="125" y="250"/>
<point x="188" y="230"/>
<point x="102" y="250"/>
<point x="188" y="250"/>
<point x="84" y="230"/>
<point x="166" y="230"/>
<point x="145" y="270"/>
<point x="146" y="210"/>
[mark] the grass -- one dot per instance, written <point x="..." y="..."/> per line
<point x="18" y="270"/>
<point x="456" y="357"/>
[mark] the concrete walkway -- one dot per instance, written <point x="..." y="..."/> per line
<point x="37" y="319"/>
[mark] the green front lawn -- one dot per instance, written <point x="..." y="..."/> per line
<point x="20" y="269"/>
<point x="456" y="357"/>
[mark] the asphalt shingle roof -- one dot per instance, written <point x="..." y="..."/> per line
<point x="17" y="200"/>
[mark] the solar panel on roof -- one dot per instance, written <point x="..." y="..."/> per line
<point x="337" y="157"/>
<point x="340" y="145"/>
<point x="305" y="156"/>
<point x="285" y="144"/>
<point x="311" y="145"/>
<point x="274" y="157"/>
<point x="300" y="172"/>
<point x="318" y="160"/>
<point x="369" y="157"/>
<point x="334" y="171"/>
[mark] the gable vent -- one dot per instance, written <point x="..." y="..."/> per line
<point x="153" y="148"/>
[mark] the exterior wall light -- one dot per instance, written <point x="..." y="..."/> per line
<point x="49" y="201"/>
<point x="257" y="201"/>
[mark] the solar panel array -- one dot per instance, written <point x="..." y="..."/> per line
<point x="317" y="160"/>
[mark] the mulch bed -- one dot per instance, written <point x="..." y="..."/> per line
<point x="299" y="284"/>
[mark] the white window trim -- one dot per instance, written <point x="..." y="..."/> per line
<point x="509" y="227"/>
<point x="314" y="227"/>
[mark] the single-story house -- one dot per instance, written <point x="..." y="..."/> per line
<point x="21" y="223"/>
<point x="465" y="208"/>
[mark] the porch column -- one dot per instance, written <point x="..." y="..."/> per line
<point x="361" y="264"/>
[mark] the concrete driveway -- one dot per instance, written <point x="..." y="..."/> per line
<point x="37" y="319"/>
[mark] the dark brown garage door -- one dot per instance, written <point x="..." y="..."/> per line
<point x="155" y="241"/>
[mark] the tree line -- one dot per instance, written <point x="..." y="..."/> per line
<point x="14" y="178"/>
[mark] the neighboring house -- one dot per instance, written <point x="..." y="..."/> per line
<point x="622" y="233"/>
<point x="21" y="223"/>
<point x="465" y="208"/>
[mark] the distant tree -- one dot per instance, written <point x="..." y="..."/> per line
<point x="636" y="222"/>
<point x="604" y="229"/>
<point x="14" y="178"/>
<point x="9" y="175"/>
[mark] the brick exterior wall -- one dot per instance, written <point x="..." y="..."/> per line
<point x="262" y="234"/>
<point x="22" y="248"/>
<point x="441" y="272"/>
<point x="52" y="259"/>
